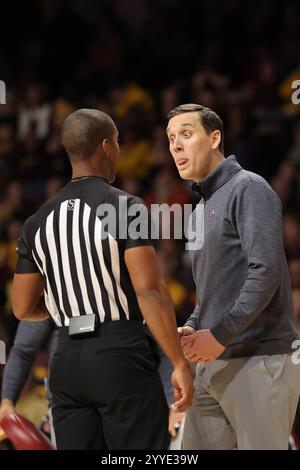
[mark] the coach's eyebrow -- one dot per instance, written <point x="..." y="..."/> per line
<point x="183" y="125"/>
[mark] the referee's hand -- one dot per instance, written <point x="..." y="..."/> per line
<point x="183" y="387"/>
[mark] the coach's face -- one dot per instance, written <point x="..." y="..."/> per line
<point x="191" y="146"/>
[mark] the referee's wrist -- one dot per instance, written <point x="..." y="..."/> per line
<point x="7" y="402"/>
<point x="180" y="363"/>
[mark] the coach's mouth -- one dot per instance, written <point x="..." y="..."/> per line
<point x="180" y="162"/>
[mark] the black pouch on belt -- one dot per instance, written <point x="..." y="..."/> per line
<point x="83" y="325"/>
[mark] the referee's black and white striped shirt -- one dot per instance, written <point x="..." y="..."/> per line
<point x="83" y="271"/>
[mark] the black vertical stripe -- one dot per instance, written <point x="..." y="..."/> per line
<point x="38" y="258"/>
<point x="108" y="262"/>
<point x="105" y="299"/>
<point x="85" y="261"/>
<point x="73" y="268"/>
<point x="45" y="285"/>
<point x="65" y="297"/>
<point x="49" y="269"/>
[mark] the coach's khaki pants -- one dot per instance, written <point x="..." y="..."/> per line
<point x="244" y="403"/>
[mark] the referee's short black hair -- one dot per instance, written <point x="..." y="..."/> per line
<point x="210" y="120"/>
<point x="83" y="131"/>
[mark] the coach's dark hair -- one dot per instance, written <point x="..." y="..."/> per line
<point x="208" y="118"/>
<point x="83" y="131"/>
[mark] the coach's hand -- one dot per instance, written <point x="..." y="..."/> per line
<point x="185" y="331"/>
<point x="201" y="346"/>
<point x="175" y="421"/>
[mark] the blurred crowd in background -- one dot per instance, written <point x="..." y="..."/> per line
<point x="136" y="60"/>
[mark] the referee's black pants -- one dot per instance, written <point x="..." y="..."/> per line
<point x="106" y="391"/>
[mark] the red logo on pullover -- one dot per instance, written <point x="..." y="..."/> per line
<point x="212" y="216"/>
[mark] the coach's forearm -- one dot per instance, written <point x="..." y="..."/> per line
<point x="158" y="312"/>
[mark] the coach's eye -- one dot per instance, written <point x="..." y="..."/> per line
<point x="187" y="134"/>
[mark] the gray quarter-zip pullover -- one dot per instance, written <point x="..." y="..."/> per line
<point x="239" y="265"/>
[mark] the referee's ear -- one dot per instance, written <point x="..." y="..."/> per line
<point x="105" y="146"/>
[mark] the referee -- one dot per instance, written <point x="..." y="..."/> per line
<point x="98" y="289"/>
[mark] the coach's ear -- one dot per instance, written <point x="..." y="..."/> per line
<point x="215" y="139"/>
